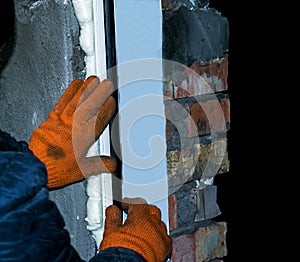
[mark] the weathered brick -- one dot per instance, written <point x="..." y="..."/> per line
<point x="197" y="116"/>
<point x="205" y="244"/>
<point x="184" y="247"/>
<point x="211" y="242"/>
<point x="190" y="207"/>
<point x="199" y="161"/>
<point x="172" y="204"/>
<point x="199" y="79"/>
<point x="205" y="200"/>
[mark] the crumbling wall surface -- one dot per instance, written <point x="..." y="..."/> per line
<point x="45" y="58"/>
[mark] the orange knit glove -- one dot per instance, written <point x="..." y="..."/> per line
<point x="78" y="119"/>
<point x="143" y="231"/>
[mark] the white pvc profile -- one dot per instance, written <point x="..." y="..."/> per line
<point x="90" y="16"/>
<point x="138" y="34"/>
<point x="138" y="37"/>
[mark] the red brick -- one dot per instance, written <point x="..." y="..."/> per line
<point x="172" y="203"/>
<point x="191" y="117"/>
<point x="199" y="79"/>
<point x="167" y="4"/>
<point x="184" y="248"/>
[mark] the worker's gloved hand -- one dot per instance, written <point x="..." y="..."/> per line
<point x="78" y="119"/>
<point x="143" y="231"/>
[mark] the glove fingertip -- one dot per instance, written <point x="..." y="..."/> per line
<point x="110" y="163"/>
<point x="155" y="211"/>
<point x="113" y="217"/>
<point x="91" y="83"/>
<point x="68" y="95"/>
<point x="134" y="206"/>
<point x="92" y="78"/>
<point x="104" y="115"/>
<point x="107" y="86"/>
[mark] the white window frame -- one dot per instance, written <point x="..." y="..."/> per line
<point x="91" y="18"/>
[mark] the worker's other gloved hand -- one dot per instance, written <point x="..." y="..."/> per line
<point x="143" y="231"/>
<point x="78" y="119"/>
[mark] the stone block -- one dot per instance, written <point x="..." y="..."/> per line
<point x="205" y="244"/>
<point x="200" y="34"/>
<point x="199" y="161"/>
<point x="191" y="207"/>
<point x="211" y="242"/>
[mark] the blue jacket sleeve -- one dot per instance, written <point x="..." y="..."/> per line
<point x="118" y="254"/>
<point x="31" y="226"/>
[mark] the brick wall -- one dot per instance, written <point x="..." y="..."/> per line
<point x="197" y="105"/>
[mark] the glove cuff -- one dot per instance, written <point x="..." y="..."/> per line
<point x="134" y="243"/>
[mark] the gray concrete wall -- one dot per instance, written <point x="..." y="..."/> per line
<point x="45" y="57"/>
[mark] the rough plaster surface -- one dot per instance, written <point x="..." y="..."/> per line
<point x="45" y="58"/>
